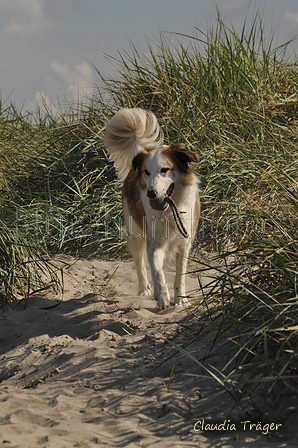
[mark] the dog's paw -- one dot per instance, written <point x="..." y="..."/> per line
<point x="180" y="301"/>
<point x="145" y="291"/>
<point x="163" y="299"/>
<point x="163" y="302"/>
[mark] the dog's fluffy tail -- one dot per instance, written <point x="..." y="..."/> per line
<point x="129" y="132"/>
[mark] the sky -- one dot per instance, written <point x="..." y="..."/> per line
<point x="48" y="47"/>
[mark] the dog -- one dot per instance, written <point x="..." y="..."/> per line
<point x="160" y="198"/>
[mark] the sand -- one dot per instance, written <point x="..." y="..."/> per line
<point x="93" y="370"/>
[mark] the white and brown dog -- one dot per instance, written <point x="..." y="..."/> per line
<point x="160" y="198"/>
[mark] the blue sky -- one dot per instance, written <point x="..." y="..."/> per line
<point x="47" y="46"/>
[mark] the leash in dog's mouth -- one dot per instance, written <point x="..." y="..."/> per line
<point x="177" y="218"/>
<point x="162" y="204"/>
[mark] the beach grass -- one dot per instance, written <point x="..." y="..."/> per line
<point x="231" y="97"/>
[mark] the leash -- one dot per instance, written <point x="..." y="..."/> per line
<point x="177" y="218"/>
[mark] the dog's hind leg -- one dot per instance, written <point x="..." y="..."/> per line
<point x="137" y="248"/>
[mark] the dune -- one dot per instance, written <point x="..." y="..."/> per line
<point x="93" y="368"/>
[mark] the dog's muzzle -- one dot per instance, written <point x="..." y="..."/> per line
<point x="160" y="203"/>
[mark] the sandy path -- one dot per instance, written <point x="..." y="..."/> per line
<point x="91" y="371"/>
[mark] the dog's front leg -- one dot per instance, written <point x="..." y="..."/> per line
<point x="181" y="268"/>
<point x="156" y="256"/>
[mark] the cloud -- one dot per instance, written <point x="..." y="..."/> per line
<point x="26" y="18"/>
<point x="75" y="80"/>
<point x="291" y="17"/>
<point x="29" y="19"/>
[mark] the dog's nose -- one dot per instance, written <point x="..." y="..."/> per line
<point x="151" y="193"/>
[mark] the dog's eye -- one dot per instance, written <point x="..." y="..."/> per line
<point x="147" y="172"/>
<point x="164" y="170"/>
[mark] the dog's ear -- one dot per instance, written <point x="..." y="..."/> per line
<point x="137" y="161"/>
<point x="184" y="156"/>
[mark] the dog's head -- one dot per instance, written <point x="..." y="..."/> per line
<point x="161" y="170"/>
